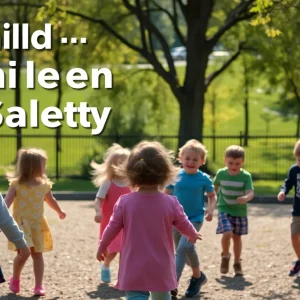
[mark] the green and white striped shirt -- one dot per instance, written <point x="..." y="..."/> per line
<point x="230" y="188"/>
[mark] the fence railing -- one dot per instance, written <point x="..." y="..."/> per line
<point x="267" y="157"/>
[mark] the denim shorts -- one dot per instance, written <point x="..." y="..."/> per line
<point x="237" y="225"/>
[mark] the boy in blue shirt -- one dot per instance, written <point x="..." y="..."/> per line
<point x="293" y="180"/>
<point x="189" y="188"/>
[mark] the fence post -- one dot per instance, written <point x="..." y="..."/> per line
<point x="214" y="147"/>
<point x="241" y="138"/>
<point x="57" y="151"/>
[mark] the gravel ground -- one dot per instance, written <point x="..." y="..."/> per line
<point x="72" y="272"/>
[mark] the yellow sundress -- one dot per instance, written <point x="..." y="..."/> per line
<point x="28" y="211"/>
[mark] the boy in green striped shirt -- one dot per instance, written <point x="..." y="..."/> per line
<point x="235" y="189"/>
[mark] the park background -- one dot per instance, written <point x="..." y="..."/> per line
<point x="237" y="82"/>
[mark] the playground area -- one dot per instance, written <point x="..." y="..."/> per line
<point x="72" y="271"/>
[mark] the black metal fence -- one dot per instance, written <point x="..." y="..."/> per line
<point x="267" y="157"/>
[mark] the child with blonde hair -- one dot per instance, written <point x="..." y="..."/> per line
<point x="147" y="217"/>
<point x="12" y="232"/>
<point x="111" y="187"/>
<point x="189" y="188"/>
<point x="293" y="180"/>
<point x="29" y="188"/>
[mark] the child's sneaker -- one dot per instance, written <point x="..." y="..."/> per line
<point x="174" y="293"/>
<point x="1" y="276"/>
<point x="14" y="285"/>
<point x="224" y="268"/>
<point x="105" y="274"/>
<point x="238" y="271"/>
<point x="195" y="285"/>
<point x="295" y="269"/>
<point x="39" y="291"/>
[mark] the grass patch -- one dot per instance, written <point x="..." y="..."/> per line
<point x="266" y="187"/>
<point x="63" y="184"/>
<point x="261" y="187"/>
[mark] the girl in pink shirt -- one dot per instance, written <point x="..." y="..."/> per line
<point x="147" y="216"/>
<point x="111" y="188"/>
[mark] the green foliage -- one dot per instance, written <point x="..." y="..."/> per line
<point x="280" y="61"/>
<point x="140" y="100"/>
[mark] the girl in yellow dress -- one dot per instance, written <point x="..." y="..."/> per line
<point x="29" y="188"/>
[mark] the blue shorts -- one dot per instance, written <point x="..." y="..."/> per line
<point x="237" y="225"/>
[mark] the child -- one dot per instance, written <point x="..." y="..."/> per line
<point x="147" y="216"/>
<point x="293" y="180"/>
<point x="111" y="188"/>
<point x="189" y="188"/>
<point x="29" y="188"/>
<point x="12" y="232"/>
<point x="235" y="190"/>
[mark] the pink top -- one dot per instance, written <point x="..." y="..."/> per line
<point x="147" y="260"/>
<point x="113" y="194"/>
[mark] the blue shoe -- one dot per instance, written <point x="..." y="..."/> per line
<point x="105" y="274"/>
<point x="295" y="269"/>
<point x="195" y="286"/>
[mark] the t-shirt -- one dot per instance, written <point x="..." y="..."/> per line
<point x="102" y="192"/>
<point x="147" y="260"/>
<point x="189" y="190"/>
<point x="230" y="188"/>
<point x="293" y="180"/>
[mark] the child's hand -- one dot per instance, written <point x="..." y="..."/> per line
<point x="194" y="240"/>
<point x="101" y="256"/>
<point x="62" y="214"/>
<point x="281" y="196"/>
<point x="241" y="200"/>
<point x="98" y="218"/>
<point x="208" y="215"/>
<point x="24" y="252"/>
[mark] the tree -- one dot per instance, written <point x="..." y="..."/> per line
<point x="207" y="22"/>
<point x="199" y="41"/>
<point x="280" y="61"/>
<point x="18" y="14"/>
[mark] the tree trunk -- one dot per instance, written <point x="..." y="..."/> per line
<point x="246" y="104"/>
<point x="213" y="126"/>
<point x="298" y="122"/>
<point x="18" y="58"/>
<point x="191" y="118"/>
<point x="192" y="103"/>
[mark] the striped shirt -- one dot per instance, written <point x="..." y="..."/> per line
<point x="230" y="188"/>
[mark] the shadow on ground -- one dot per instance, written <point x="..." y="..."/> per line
<point x="272" y="296"/>
<point x="271" y="210"/>
<point x="296" y="284"/>
<point x="104" y="291"/>
<point x="12" y="296"/>
<point x="233" y="283"/>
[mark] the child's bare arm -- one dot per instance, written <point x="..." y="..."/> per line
<point x="281" y="196"/>
<point x="9" y="198"/>
<point x="98" y="204"/>
<point x="216" y="188"/>
<point x="249" y="195"/>
<point x="51" y="201"/>
<point x="212" y="201"/>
